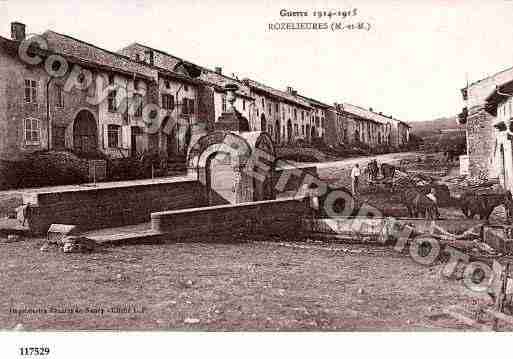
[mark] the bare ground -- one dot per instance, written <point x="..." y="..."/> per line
<point x="231" y="286"/>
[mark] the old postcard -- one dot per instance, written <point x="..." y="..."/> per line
<point x="255" y="166"/>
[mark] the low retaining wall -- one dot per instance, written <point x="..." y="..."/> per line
<point x="281" y="217"/>
<point x="111" y="204"/>
<point x="383" y="228"/>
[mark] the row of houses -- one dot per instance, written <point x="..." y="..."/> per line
<point x="61" y="93"/>
<point x="487" y="117"/>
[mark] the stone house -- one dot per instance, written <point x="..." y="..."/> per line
<point x="283" y="114"/>
<point x="499" y="105"/>
<point x="350" y="124"/>
<point x="479" y="123"/>
<point x="363" y="126"/>
<point x="118" y="91"/>
<point x="76" y="110"/>
<point x="197" y="83"/>
<point x="318" y="116"/>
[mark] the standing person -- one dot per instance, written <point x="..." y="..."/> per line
<point x="355" y="175"/>
<point x="432" y="196"/>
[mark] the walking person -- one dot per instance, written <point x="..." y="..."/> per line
<point x="355" y="176"/>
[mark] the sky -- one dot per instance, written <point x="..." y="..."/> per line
<point x="411" y="64"/>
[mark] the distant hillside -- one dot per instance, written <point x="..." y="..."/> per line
<point x="429" y="128"/>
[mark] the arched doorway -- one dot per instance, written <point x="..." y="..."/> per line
<point x="85" y="133"/>
<point x="219" y="158"/>
<point x="263" y="123"/>
<point x="289" y="131"/>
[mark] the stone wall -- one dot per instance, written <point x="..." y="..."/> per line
<point x="276" y="217"/>
<point x="480" y="142"/>
<point x="111" y="205"/>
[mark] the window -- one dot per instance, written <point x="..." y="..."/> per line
<point x="191" y="106"/>
<point x="295" y="114"/>
<point x="113" y="134"/>
<point x="30" y="91"/>
<point x="277" y="108"/>
<point x="111" y="79"/>
<point x="185" y="88"/>
<point x="168" y="102"/>
<point x="270" y="109"/>
<point x="138" y="105"/>
<point x="167" y="84"/>
<point x="32" y="131"/>
<point x="223" y="104"/>
<point x="263" y="104"/>
<point x="243" y="104"/>
<point x="137" y="57"/>
<point x="111" y="100"/>
<point x="59" y="96"/>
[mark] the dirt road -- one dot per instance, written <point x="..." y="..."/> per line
<point x="231" y="286"/>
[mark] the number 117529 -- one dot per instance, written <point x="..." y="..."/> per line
<point x="34" y="351"/>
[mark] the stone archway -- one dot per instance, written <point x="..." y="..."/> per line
<point x="264" y="166"/>
<point x="85" y="133"/>
<point x="218" y="159"/>
<point x="227" y="164"/>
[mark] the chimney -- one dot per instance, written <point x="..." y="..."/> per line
<point x="219" y="70"/>
<point x="370" y="109"/>
<point x="290" y="90"/>
<point x="17" y="31"/>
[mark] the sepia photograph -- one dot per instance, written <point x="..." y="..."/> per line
<point x="271" y="166"/>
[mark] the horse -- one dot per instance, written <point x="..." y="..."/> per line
<point x="443" y="194"/>
<point x="483" y="204"/>
<point x="416" y="202"/>
<point x="387" y="170"/>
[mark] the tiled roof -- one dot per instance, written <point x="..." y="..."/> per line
<point x="276" y="93"/>
<point x="314" y="102"/>
<point x="370" y="115"/>
<point x="67" y="45"/>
